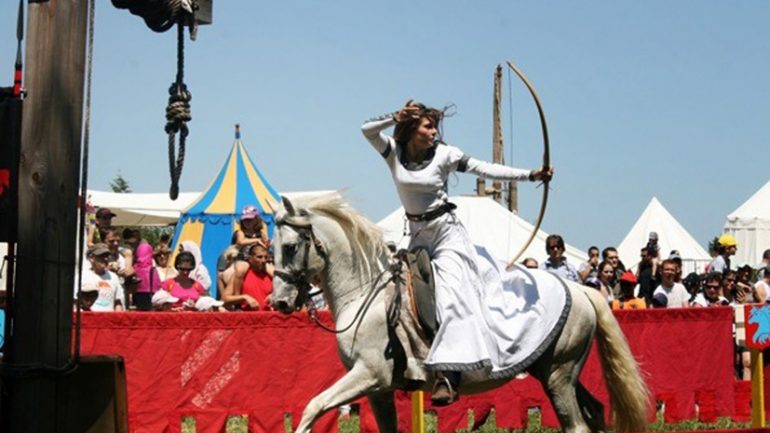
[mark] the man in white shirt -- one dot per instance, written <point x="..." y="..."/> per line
<point x="675" y="292"/>
<point x="100" y="279"/>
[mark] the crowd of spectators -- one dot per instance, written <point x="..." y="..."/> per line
<point x="657" y="282"/>
<point x="123" y="272"/>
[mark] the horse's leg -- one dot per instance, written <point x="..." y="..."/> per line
<point x="592" y="409"/>
<point x="384" y="410"/>
<point x="558" y="369"/>
<point x="560" y="385"/>
<point x="357" y="382"/>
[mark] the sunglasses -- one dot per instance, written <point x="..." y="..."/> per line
<point x="553" y="247"/>
<point x="712" y="286"/>
<point x="185" y="269"/>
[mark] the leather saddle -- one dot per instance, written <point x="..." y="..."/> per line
<point x="420" y="284"/>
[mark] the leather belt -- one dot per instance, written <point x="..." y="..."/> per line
<point x="431" y="215"/>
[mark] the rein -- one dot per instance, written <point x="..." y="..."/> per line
<point x="299" y="278"/>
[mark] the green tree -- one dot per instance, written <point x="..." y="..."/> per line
<point x="119" y="184"/>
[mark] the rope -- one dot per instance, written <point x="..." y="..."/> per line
<point x="177" y="116"/>
<point x="159" y="15"/>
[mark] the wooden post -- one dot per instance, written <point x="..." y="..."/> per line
<point x="48" y="185"/>
<point x="757" y="389"/>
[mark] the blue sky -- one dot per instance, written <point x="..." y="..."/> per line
<point x="643" y="99"/>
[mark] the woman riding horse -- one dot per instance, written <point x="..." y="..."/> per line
<point x="420" y="163"/>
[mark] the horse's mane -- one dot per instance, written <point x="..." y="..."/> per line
<point x="363" y="235"/>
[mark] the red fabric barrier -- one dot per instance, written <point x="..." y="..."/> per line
<point x="213" y="365"/>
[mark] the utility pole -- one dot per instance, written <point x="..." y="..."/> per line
<point x="497" y="190"/>
<point x="48" y="190"/>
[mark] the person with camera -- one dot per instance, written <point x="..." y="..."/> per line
<point x="711" y="294"/>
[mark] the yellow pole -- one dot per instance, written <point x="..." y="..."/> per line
<point x="418" y="412"/>
<point x="757" y="390"/>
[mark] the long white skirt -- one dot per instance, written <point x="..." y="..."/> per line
<point x="484" y="310"/>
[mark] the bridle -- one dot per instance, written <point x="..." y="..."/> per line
<point x="300" y="278"/>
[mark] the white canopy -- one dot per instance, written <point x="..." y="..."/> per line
<point x="490" y="225"/>
<point x="671" y="236"/>
<point x="141" y="209"/>
<point x="750" y="224"/>
<point x="153" y="209"/>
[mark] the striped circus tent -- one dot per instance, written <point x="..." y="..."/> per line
<point x="211" y="219"/>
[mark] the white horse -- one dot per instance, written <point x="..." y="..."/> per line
<point x="327" y="243"/>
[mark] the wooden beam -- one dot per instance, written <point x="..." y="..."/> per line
<point x="48" y="185"/>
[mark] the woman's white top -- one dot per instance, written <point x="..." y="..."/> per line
<point x="422" y="187"/>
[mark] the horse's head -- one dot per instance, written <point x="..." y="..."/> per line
<point x="299" y="257"/>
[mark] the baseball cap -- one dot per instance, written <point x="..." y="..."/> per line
<point x="660" y="300"/>
<point x="98" y="249"/>
<point x="727" y="241"/>
<point x="105" y="213"/>
<point x="249" y="212"/>
<point x="163" y="297"/>
<point x="205" y="303"/>
<point x="628" y="277"/>
<point x="654" y="236"/>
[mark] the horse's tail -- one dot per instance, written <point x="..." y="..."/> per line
<point x="629" y="396"/>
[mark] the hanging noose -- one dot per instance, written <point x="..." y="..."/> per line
<point x="177" y="116"/>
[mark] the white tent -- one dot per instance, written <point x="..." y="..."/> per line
<point x="671" y="236"/>
<point x="490" y="225"/>
<point x="750" y="224"/>
<point x="153" y="209"/>
<point x="141" y="209"/>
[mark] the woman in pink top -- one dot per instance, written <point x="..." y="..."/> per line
<point x="183" y="286"/>
<point x="149" y="280"/>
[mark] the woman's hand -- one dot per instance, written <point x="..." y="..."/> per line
<point x="410" y="111"/>
<point x="542" y="174"/>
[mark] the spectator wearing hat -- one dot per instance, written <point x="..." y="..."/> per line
<point x="556" y="263"/>
<point x="726" y="247"/>
<point x="762" y="287"/>
<point x="590" y="268"/>
<point x="95" y="230"/>
<point x="251" y="286"/>
<point x="675" y="293"/>
<point x="252" y="228"/>
<point x="654" y="248"/>
<point x="711" y="295"/>
<point x="626" y="300"/>
<point x="98" y="278"/>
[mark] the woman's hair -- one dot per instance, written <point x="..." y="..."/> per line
<point x="184" y="257"/>
<point x="404" y="130"/>
<point x="601" y="266"/>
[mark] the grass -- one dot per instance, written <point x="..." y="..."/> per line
<point x="239" y="424"/>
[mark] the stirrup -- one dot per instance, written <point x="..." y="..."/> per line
<point x="443" y="394"/>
